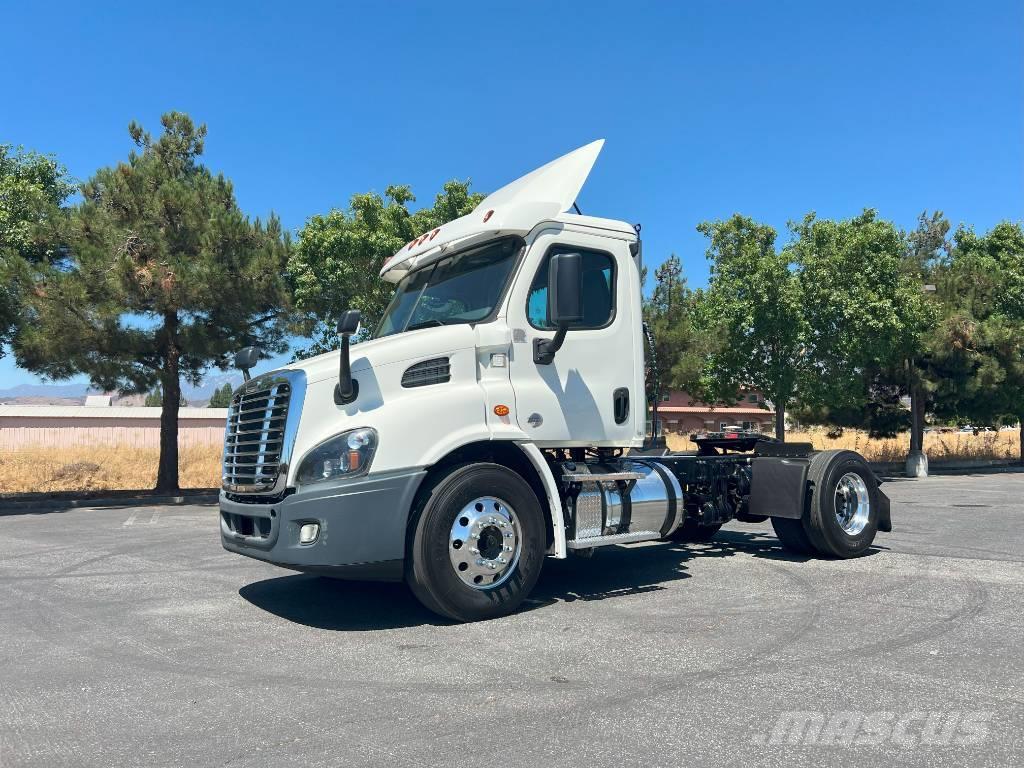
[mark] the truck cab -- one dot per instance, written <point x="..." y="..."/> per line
<point x="492" y="419"/>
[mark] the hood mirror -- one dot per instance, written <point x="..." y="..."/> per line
<point x="246" y="358"/>
<point x="347" y="388"/>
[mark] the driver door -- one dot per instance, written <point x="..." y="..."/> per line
<point x="588" y="394"/>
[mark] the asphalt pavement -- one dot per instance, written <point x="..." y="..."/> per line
<point x="131" y="638"/>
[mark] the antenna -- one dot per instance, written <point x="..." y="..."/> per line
<point x="576" y="208"/>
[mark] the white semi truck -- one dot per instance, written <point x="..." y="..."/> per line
<point x="497" y="417"/>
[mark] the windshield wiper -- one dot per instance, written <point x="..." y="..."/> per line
<point x="424" y="324"/>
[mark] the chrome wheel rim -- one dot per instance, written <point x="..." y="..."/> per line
<point x="852" y="503"/>
<point x="485" y="543"/>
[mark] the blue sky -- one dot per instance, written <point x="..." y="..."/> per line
<point x="709" y="108"/>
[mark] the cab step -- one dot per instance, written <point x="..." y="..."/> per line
<point x="616" y="538"/>
<point x="608" y="477"/>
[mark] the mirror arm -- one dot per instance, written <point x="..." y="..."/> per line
<point x="544" y="349"/>
<point x="347" y="388"/>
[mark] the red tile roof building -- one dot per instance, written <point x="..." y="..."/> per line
<point x="681" y="414"/>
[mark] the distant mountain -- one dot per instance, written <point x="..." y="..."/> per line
<point x="197" y="395"/>
<point x="66" y="394"/>
<point x="44" y="390"/>
<point x="41" y="400"/>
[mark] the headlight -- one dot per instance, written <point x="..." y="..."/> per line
<point x="346" y="455"/>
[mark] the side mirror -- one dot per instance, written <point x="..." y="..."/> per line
<point x="565" y="289"/>
<point x="348" y="324"/>
<point x="565" y="303"/>
<point x="347" y="388"/>
<point x="246" y="358"/>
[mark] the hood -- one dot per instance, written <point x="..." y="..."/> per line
<point x="408" y="346"/>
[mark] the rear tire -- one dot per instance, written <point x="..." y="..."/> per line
<point x="792" y="536"/>
<point x="841" y="515"/>
<point x="472" y="510"/>
<point x="842" y="518"/>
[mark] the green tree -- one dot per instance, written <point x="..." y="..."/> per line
<point x="864" y="316"/>
<point x="667" y="314"/>
<point x="155" y="399"/>
<point x="750" y="315"/>
<point x="164" y="277"/>
<point x="33" y="188"/>
<point x="337" y="260"/>
<point x="222" y="397"/>
<point x="926" y="257"/>
<point x="978" y="354"/>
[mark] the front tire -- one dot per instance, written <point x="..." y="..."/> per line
<point x="477" y="543"/>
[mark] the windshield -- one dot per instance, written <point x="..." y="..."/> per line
<point x="463" y="288"/>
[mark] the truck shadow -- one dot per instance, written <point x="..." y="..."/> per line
<point x="621" y="571"/>
<point x="333" y="604"/>
<point x="351" y="606"/>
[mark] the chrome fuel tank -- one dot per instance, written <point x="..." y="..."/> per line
<point x="629" y="497"/>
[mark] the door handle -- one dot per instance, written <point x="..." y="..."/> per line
<point x="620" y="405"/>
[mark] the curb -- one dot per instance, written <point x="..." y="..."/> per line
<point x="979" y="466"/>
<point x="17" y="506"/>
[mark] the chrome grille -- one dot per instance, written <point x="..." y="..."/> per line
<point x="261" y="426"/>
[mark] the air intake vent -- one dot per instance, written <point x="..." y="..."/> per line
<point x="434" y="371"/>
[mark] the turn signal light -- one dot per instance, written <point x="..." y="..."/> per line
<point x="501" y="410"/>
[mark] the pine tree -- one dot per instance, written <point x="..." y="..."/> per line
<point x="978" y="355"/>
<point x="222" y="397"/>
<point x="155" y="399"/>
<point x="164" y="278"/>
<point x="667" y="315"/>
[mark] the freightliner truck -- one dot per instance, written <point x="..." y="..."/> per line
<point x="497" y="416"/>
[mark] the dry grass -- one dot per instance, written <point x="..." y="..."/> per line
<point x="107" y="468"/>
<point x="939" y="447"/>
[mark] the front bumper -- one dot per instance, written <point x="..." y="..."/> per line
<point x="362" y="527"/>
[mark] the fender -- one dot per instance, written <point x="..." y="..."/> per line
<point x="558" y="548"/>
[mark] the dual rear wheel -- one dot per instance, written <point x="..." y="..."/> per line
<point x="841" y="516"/>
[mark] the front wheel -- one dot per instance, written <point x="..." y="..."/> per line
<point x="477" y="544"/>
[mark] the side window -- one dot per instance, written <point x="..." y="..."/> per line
<point x="598" y="290"/>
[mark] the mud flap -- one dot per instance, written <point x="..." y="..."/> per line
<point x="884" y="520"/>
<point x="778" y="487"/>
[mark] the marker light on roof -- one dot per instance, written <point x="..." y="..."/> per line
<point x="488" y="215"/>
